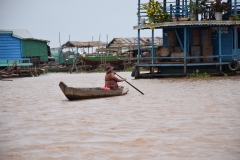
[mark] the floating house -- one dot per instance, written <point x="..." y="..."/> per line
<point x="68" y="52"/>
<point x="19" y="46"/>
<point x="131" y="44"/>
<point x="208" y="44"/>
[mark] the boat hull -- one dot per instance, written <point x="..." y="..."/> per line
<point x="96" y="60"/>
<point x="87" y="93"/>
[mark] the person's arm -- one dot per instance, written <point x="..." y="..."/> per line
<point x="117" y="79"/>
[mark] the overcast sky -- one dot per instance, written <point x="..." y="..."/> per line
<point x="81" y="19"/>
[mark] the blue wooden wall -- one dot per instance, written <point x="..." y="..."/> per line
<point x="10" y="47"/>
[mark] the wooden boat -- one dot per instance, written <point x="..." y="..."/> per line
<point x="96" y="60"/>
<point x="86" y="93"/>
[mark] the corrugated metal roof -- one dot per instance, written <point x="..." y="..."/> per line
<point x="127" y="42"/>
<point x="83" y="44"/>
<point x="189" y="23"/>
<point x="19" y="33"/>
<point x="22" y="34"/>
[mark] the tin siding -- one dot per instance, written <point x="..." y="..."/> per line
<point x="34" y="48"/>
<point x="227" y="43"/>
<point x="10" y="47"/>
<point x="238" y="54"/>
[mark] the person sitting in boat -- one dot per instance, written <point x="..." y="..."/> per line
<point x="111" y="80"/>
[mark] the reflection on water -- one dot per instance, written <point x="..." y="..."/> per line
<point x="175" y="119"/>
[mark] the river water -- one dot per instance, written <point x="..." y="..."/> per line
<point x="177" y="118"/>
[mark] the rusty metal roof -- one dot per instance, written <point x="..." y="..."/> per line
<point x="83" y="44"/>
<point x="126" y="42"/>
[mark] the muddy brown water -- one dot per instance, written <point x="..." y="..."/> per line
<point x="177" y="118"/>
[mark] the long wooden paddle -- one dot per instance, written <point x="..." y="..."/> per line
<point x="130" y="84"/>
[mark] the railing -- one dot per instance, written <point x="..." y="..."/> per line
<point x="182" y="10"/>
<point x="18" y="61"/>
<point x="235" y="8"/>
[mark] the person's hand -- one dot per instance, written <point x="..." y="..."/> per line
<point x="124" y="79"/>
<point x="114" y="72"/>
